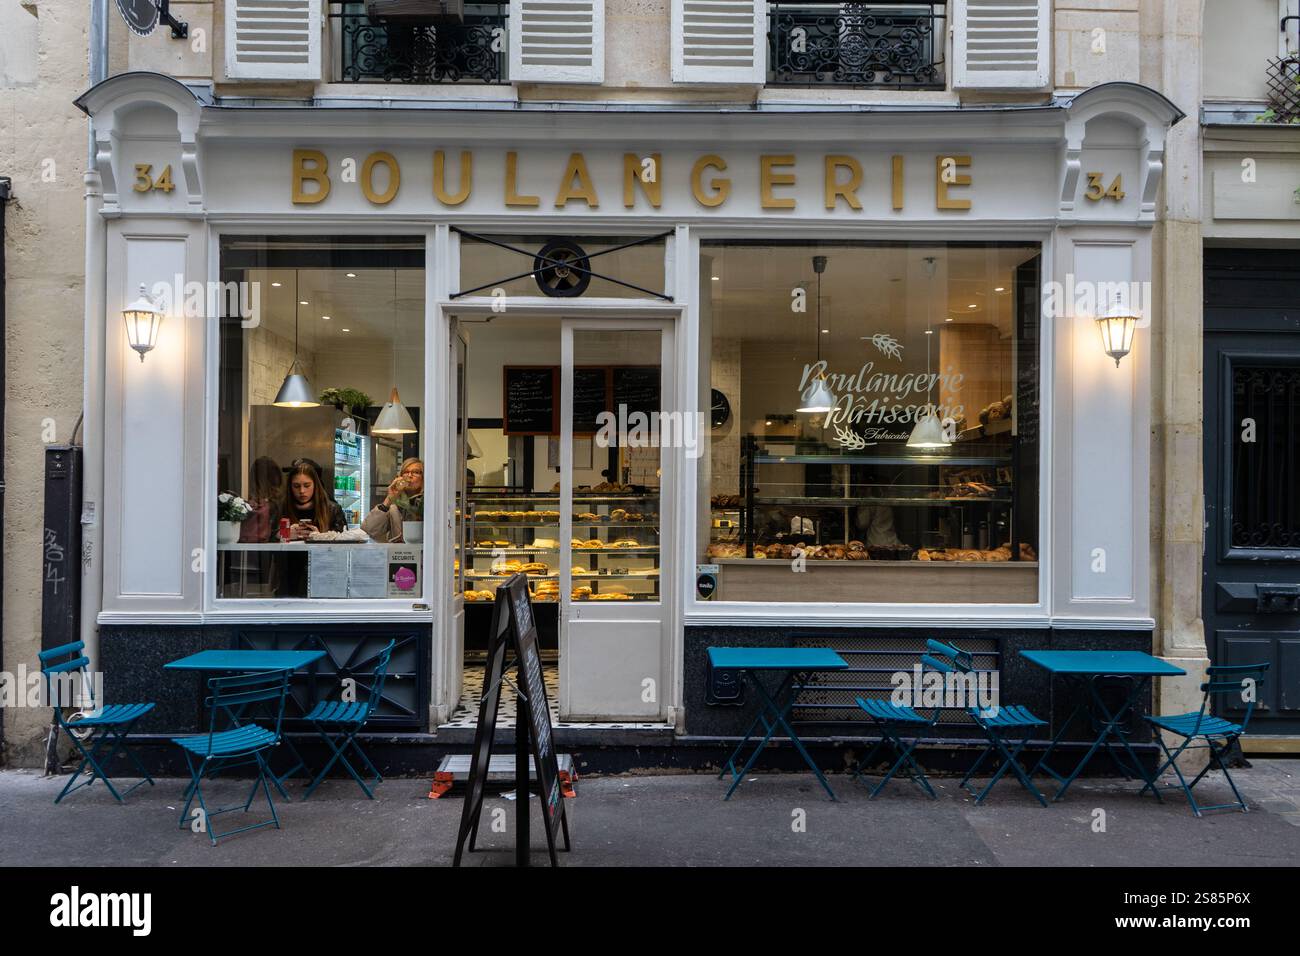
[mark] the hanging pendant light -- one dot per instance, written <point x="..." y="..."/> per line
<point x="296" y="391"/>
<point x="928" y="431"/>
<point x="394" y="419"/>
<point x="818" y="398"/>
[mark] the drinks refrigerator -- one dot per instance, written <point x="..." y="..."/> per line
<point x="352" y="474"/>
<point x="346" y="457"/>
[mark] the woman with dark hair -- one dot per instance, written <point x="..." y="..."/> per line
<point x="307" y="506"/>
<point x="266" y="494"/>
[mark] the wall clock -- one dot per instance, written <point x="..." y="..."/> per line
<point x="720" y="410"/>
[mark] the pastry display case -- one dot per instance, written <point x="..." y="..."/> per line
<point x="876" y="521"/>
<point x="614" y="545"/>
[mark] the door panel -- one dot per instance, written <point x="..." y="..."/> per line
<point x="614" y="516"/>
<point x="1251" y="602"/>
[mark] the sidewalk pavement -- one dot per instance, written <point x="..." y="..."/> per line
<point x="673" y="820"/>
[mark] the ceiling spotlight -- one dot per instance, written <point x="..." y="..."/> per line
<point x="346" y="330"/>
<point x="1000" y="288"/>
<point x="325" y="317"/>
<point x="972" y="306"/>
<point x="275" y="285"/>
<point x="303" y="302"/>
<point x="352" y="275"/>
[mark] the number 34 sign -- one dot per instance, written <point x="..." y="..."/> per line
<point x="145" y="182"/>
<point x="1097" y="192"/>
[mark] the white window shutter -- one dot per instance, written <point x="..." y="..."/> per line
<point x="1001" y="44"/>
<point x="719" y="41"/>
<point x="557" y="41"/>
<point x="273" y="39"/>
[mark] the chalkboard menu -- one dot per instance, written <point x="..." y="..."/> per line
<point x="530" y="400"/>
<point x="637" y="387"/>
<point x="513" y="627"/>
<point x="590" y="398"/>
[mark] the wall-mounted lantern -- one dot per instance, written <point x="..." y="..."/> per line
<point x="143" y="320"/>
<point x="1117" y="324"/>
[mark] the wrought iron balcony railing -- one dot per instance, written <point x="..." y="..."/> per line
<point x="897" y="45"/>
<point x="472" y="51"/>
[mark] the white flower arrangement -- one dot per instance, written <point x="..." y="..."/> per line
<point x="232" y="507"/>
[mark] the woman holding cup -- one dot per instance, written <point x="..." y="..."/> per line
<point x="404" y="500"/>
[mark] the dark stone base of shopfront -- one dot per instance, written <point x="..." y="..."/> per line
<point x="875" y="654"/>
<point x="400" y="744"/>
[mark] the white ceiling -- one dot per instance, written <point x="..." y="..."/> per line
<point x="367" y="305"/>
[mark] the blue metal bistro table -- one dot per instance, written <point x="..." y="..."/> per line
<point x="252" y="661"/>
<point x="1086" y="668"/>
<point x="799" y="665"/>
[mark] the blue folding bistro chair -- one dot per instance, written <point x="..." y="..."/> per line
<point x="106" y="724"/>
<point x="241" y="744"/>
<point x="1008" y="728"/>
<point x="900" y="728"/>
<point x="1242" y="681"/>
<point x="339" y="722"/>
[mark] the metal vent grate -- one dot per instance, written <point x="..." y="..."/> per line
<point x="872" y="663"/>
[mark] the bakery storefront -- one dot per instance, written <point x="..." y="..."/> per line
<point x="823" y="377"/>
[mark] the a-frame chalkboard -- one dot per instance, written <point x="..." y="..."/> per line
<point x="514" y="629"/>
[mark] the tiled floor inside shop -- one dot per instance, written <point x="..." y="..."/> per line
<point x="466" y="712"/>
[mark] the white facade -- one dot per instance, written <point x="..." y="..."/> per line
<point x="1030" y="166"/>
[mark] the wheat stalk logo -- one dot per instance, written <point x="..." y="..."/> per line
<point x="849" y="438"/>
<point x="886" y="344"/>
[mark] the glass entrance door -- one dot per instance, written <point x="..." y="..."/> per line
<point x="616" y="455"/>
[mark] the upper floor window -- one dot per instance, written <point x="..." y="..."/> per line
<point x="895" y="45"/>
<point x="370" y="46"/>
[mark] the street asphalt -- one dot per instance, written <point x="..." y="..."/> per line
<point x="672" y="820"/>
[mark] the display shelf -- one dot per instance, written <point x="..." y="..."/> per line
<point x="901" y="500"/>
<point x="918" y="489"/>
<point x="637" y="564"/>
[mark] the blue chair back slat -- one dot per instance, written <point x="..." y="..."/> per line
<point x="957" y="659"/>
<point x="1232" y="688"/>
<point x="77" y="663"/>
<point x="934" y="664"/>
<point x="229" y="694"/>
<point x="381" y="674"/>
<point x="60" y="650"/>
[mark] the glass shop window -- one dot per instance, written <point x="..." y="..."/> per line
<point x="320" y="427"/>
<point x="875" y="429"/>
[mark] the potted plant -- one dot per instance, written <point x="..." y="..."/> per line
<point x="351" y="400"/>
<point x="232" y="510"/>
<point x="412" y="510"/>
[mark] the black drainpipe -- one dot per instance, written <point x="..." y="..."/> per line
<point x="4" y="198"/>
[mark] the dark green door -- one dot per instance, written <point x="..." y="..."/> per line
<point x="1251" y="593"/>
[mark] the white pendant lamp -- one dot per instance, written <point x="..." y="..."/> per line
<point x="818" y="398"/>
<point x="394" y="419"/>
<point x="928" y="431"/>
<point x="295" y="391"/>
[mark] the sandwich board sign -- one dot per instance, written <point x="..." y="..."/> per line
<point x="515" y="630"/>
